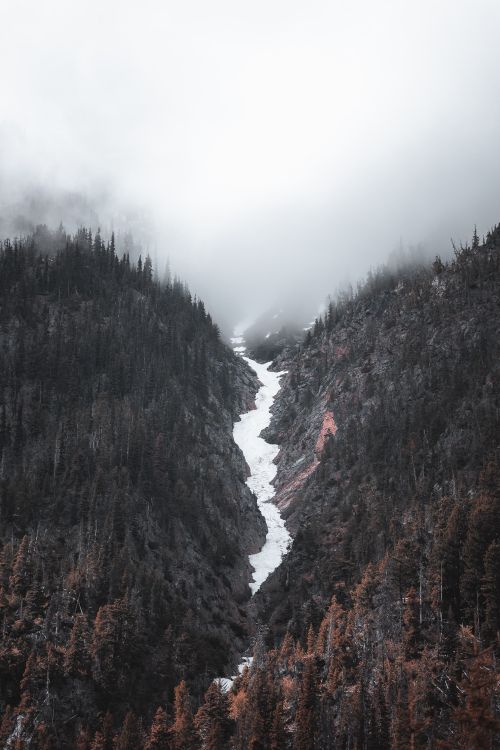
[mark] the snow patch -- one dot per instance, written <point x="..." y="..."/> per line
<point x="226" y="683"/>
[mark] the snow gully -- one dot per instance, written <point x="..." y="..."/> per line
<point x="260" y="456"/>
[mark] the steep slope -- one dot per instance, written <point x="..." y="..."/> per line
<point x="125" y="519"/>
<point x="386" y="610"/>
<point x="390" y="405"/>
<point x="382" y="621"/>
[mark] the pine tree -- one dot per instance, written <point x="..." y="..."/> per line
<point x="257" y="733"/>
<point x="480" y="533"/>
<point x="20" y="577"/>
<point x="105" y="732"/>
<point x="98" y="743"/>
<point x="212" y="719"/>
<point x="114" y="644"/>
<point x="278" y="735"/>
<point x="76" y="657"/>
<point x="130" y="736"/>
<point x="400" y="725"/>
<point x="475" y="720"/>
<point x="411" y="633"/>
<point x="380" y="739"/>
<point x="490" y="589"/>
<point x="475" y="239"/>
<point x="183" y="730"/>
<point x="159" y="736"/>
<point x="83" y="740"/>
<point x="306" y="708"/>
<point x="147" y="272"/>
<point x="333" y="644"/>
<point x="311" y="641"/>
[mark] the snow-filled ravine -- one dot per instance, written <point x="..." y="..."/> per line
<point x="260" y="456"/>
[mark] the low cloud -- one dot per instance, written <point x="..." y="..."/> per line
<point x="271" y="150"/>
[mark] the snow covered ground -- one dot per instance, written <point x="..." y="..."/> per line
<point x="226" y="683"/>
<point x="260" y="457"/>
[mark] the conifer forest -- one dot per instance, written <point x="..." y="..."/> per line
<point x="249" y="375"/>
<point x="126" y="522"/>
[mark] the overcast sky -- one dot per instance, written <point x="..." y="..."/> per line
<point x="275" y="147"/>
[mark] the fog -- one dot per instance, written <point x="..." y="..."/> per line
<point x="272" y="150"/>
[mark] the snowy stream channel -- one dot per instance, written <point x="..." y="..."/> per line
<point x="260" y="456"/>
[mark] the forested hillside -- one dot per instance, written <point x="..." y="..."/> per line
<point x="125" y="523"/>
<point x="125" y="520"/>
<point x="386" y="612"/>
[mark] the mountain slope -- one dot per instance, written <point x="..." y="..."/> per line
<point x="381" y="624"/>
<point x="389" y="474"/>
<point x="125" y="520"/>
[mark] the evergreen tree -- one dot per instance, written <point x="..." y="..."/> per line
<point x="212" y="719"/>
<point x="490" y="588"/>
<point x="306" y="708"/>
<point x="183" y="730"/>
<point x="159" y="736"/>
<point x="76" y="657"/>
<point x="130" y="736"/>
